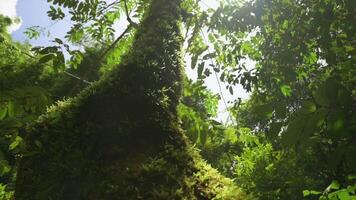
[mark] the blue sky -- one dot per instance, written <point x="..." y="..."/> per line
<point x="33" y="13"/>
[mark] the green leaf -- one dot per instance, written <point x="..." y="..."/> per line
<point x="59" y="41"/>
<point x="208" y="56"/>
<point x="207" y="72"/>
<point x="47" y="50"/>
<point x="230" y="135"/>
<point x="3" y="112"/>
<point x="4" y="167"/>
<point x="46" y="58"/>
<point x="306" y="193"/>
<point x="200" y="70"/>
<point x="231" y="90"/>
<point x="310" y="192"/>
<point x="11" y="109"/>
<point x="344" y="96"/>
<point x="280" y="109"/>
<point x="265" y="110"/>
<point x="194" y="61"/>
<point x="294" y="129"/>
<point x="308" y="107"/>
<point x="351" y="177"/>
<point x="335" y="185"/>
<point x="343" y="195"/>
<point x="75" y="35"/>
<point x="33" y="32"/>
<point x="336" y="122"/>
<point x="17" y="141"/>
<point x="286" y="90"/>
<point x="324" y="95"/>
<point x="59" y="62"/>
<point x="274" y="130"/>
<point x="285" y="24"/>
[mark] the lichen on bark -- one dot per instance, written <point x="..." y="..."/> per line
<point x="120" y="138"/>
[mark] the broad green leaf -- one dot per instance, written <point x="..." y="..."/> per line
<point x="336" y="123"/>
<point x="294" y="130"/>
<point x="326" y="93"/>
<point x="46" y="58"/>
<point x="308" y="107"/>
<point x="335" y="185"/>
<point x="286" y="90"/>
<point x="59" y="62"/>
<point x="343" y="195"/>
<point x="306" y="193"/>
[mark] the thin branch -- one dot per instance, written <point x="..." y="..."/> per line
<point x="65" y="72"/>
<point x="76" y="77"/>
<point x="128" y="16"/>
<point x="107" y="7"/>
<point x="113" y="44"/>
<point x="101" y="57"/>
<point x="217" y="78"/>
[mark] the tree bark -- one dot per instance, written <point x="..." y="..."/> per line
<point x="120" y="138"/>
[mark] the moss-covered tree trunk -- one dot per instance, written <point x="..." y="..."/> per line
<point x="119" y="139"/>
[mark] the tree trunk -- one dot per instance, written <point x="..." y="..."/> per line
<point x="120" y="138"/>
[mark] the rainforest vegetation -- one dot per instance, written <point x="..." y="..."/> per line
<point x="106" y="115"/>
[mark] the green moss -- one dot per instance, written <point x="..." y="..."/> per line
<point x="120" y="139"/>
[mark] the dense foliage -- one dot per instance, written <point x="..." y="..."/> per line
<point x="294" y="138"/>
<point x="119" y="138"/>
<point x="303" y="93"/>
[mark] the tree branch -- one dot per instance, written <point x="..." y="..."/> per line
<point x="128" y="16"/>
<point x="76" y="77"/>
<point x="114" y="43"/>
<point x="66" y="72"/>
<point x="108" y="6"/>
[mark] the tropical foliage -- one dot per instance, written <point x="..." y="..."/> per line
<point x="294" y="138"/>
